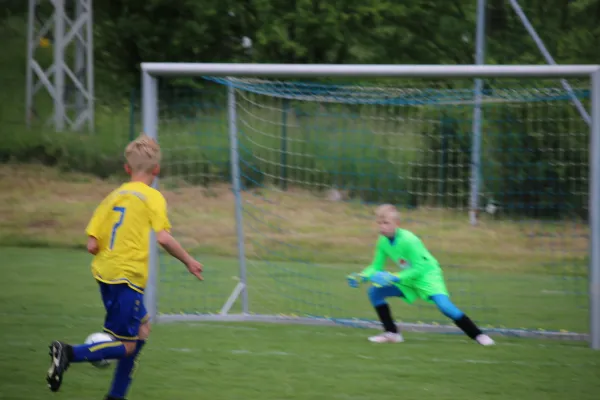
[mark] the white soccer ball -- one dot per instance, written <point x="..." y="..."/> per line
<point x="99" y="337"/>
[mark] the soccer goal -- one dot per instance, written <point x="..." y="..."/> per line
<point x="272" y="173"/>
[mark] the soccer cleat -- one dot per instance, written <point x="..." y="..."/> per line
<point x="60" y="363"/>
<point x="387" y="337"/>
<point x="485" y="340"/>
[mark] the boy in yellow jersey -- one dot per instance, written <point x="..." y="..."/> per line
<point x="119" y="238"/>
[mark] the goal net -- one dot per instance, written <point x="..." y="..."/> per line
<point x="315" y="156"/>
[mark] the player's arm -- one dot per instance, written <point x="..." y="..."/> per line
<point x="376" y="265"/>
<point x="172" y="246"/>
<point x="93" y="229"/>
<point x="92" y="245"/>
<point x="378" y="262"/>
<point x="162" y="227"/>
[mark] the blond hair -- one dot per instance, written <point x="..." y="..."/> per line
<point x="143" y="154"/>
<point x="387" y="211"/>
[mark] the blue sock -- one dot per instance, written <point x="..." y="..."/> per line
<point x="98" y="351"/>
<point x="124" y="373"/>
<point x="445" y="305"/>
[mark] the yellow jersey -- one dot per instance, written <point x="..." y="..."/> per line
<point x="122" y="224"/>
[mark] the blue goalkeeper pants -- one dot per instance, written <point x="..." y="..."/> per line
<point x="378" y="296"/>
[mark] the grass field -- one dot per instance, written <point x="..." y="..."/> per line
<point x="48" y="294"/>
<point x="517" y="274"/>
<point x="300" y="247"/>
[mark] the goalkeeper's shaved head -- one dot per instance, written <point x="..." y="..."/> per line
<point x="387" y="211"/>
<point x="387" y="219"/>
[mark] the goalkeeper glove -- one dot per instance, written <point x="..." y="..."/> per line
<point x="354" y="280"/>
<point x="383" y="278"/>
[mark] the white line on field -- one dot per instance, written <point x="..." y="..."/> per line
<point x="244" y="352"/>
<point x="561" y="292"/>
<point x="181" y="350"/>
<point x="492" y="362"/>
<point x="220" y="326"/>
<point x="454" y="338"/>
<point x="350" y="397"/>
<point x="262" y="353"/>
<point x="328" y="331"/>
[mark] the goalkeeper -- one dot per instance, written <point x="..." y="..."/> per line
<point x="420" y="277"/>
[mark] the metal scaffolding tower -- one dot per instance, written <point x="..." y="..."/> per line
<point x="69" y="80"/>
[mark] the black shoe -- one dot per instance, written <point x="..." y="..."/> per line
<point x="112" y="398"/>
<point x="60" y="363"/>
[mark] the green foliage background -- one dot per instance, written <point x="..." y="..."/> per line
<point x="128" y="32"/>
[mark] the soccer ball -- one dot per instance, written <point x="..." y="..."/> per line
<point x="99" y="337"/>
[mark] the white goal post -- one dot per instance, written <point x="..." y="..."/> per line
<point x="150" y="111"/>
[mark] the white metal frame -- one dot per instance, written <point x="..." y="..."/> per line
<point x="70" y="87"/>
<point x="151" y="71"/>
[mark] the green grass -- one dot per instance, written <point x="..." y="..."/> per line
<point x="516" y="274"/>
<point x="495" y="299"/>
<point x="49" y="294"/>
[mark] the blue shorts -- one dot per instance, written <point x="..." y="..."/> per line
<point x="125" y="310"/>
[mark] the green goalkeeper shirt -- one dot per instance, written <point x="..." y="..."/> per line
<point x="408" y="252"/>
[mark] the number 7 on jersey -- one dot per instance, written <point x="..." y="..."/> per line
<point x="121" y="211"/>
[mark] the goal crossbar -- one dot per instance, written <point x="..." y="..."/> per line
<point x="150" y="71"/>
<point x="367" y="70"/>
